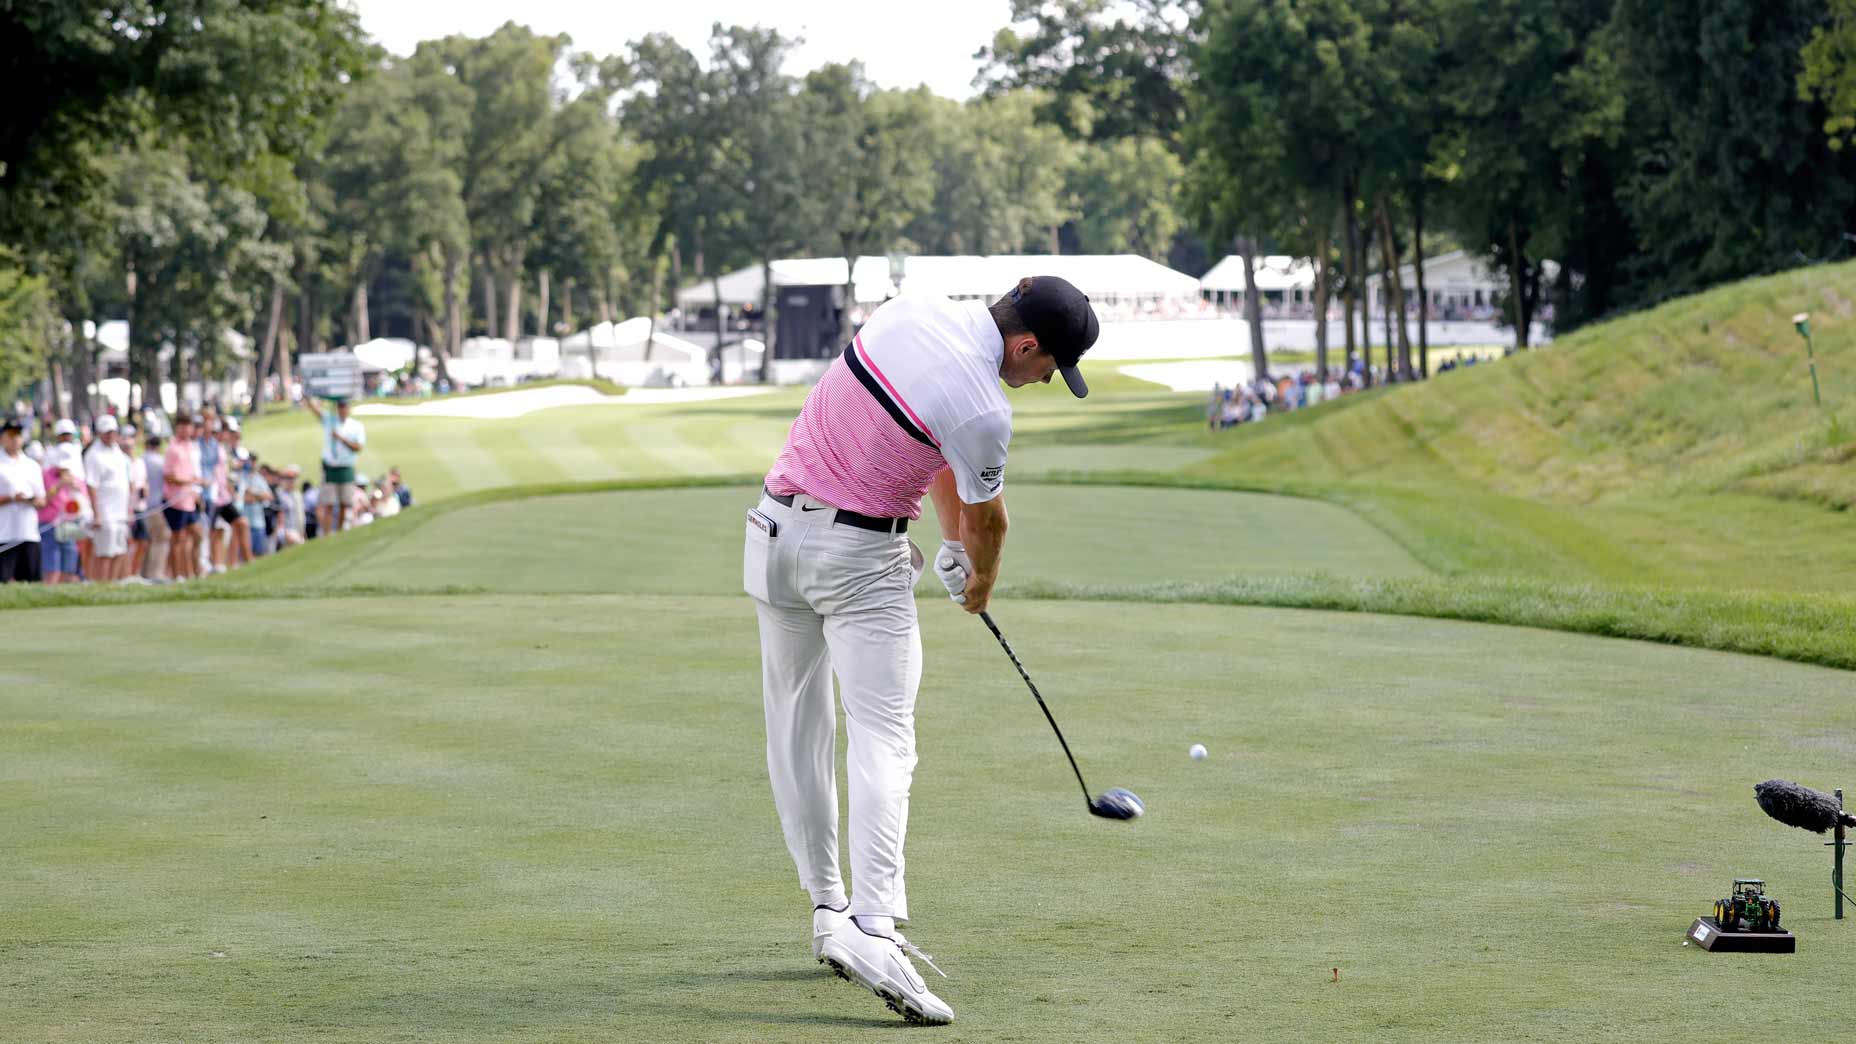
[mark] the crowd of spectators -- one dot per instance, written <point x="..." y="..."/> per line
<point x="1253" y="401"/>
<point x="84" y="505"/>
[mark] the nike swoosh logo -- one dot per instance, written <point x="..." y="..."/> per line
<point x="808" y="507"/>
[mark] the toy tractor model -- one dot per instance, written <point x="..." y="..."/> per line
<point x="1747" y="909"/>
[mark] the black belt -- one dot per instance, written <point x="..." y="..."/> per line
<point x="847" y="517"/>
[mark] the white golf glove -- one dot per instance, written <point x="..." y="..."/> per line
<point x="953" y="566"/>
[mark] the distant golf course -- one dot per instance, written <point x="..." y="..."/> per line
<point x="493" y="769"/>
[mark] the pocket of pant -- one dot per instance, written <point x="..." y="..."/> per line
<point x="917" y="562"/>
<point x="757" y="555"/>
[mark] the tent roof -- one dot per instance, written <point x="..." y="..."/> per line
<point x="743" y="285"/>
<point x="1274" y="272"/>
<point x="1098" y="275"/>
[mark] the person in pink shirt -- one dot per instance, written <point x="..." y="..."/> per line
<point x="913" y="406"/>
<point x="181" y="475"/>
<point x="61" y="521"/>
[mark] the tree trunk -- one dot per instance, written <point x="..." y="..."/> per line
<point x="845" y="331"/>
<point x="454" y="315"/>
<point x="284" y="369"/>
<point x="721" y="322"/>
<point x="1253" y="311"/>
<point x="1056" y="244"/>
<point x="567" y="307"/>
<point x="1366" y="305"/>
<point x="358" y="329"/>
<point x="1350" y="275"/>
<point x="305" y="306"/>
<point x="1516" y="285"/>
<point x="1424" y="299"/>
<point x="512" y="316"/>
<point x="766" y="321"/>
<point x="1389" y="250"/>
<point x="489" y="297"/>
<point x="274" y="317"/>
<point x="83" y="404"/>
<point x="54" y="373"/>
<point x="541" y="306"/>
<point x="1322" y="278"/>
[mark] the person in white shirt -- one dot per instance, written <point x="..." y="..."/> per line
<point x="343" y="437"/>
<point x="106" y="472"/>
<point x="22" y="494"/>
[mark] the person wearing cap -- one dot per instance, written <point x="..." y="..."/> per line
<point x="138" y="501"/>
<point x="106" y="473"/>
<point x="22" y="494"/>
<point x="64" y="445"/>
<point x="913" y="406"/>
<point x="343" y="438"/>
<point x="62" y="521"/>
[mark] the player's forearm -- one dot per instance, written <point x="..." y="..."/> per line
<point x="946" y="499"/>
<point x="982" y="530"/>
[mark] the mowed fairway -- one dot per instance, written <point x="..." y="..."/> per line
<point x="517" y="818"/>
<point x="674" y="541"/>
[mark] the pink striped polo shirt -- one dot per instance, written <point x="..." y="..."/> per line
<point x="917" y="391"/>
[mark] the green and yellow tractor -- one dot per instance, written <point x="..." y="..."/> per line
<point x="1748" y="909"/>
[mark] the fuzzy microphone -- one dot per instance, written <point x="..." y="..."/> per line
<point x="1801" y="807"/>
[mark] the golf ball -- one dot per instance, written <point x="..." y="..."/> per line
<point x="1197" y="752"/>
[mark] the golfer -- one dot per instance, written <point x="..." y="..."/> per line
<point x="912" y="406"/>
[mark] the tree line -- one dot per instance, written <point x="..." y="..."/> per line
<point x="1602" y="154"/>
<point x="505" y="186"/>
<point x="196" y="166"/>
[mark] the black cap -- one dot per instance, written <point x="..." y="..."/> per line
<point x="12" y="424"/>
<point x="1059" y="314"/>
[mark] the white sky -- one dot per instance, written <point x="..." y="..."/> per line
<point x="900" y="44"/>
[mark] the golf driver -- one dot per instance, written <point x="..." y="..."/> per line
<point x="1116" y="803"/>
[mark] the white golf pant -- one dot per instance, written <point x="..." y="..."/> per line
<point x="838" y="599"/>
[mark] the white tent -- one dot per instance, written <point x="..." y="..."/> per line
<point x="1106" y="278"/>
<point x="384" y="354"/>
<point x="743" y="285"/>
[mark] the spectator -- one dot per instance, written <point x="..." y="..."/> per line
<point x="64" y="446"/>
<point x="138" y="501"/>
<point x="251" y="493"/>
<point x="106" y="473"/>
<point x="180" y="469"/>
<point x="155" y="562"/>
<point x="343" y="438"/>
<point x="399" y="487"/>
<point x="62" y="521"/>
<point x="22" y="494"/>
<point x="310" y="495"/>
<point x="227" y="524"/>
<point x="209" y="435"/>
<point x="386" y="499"/>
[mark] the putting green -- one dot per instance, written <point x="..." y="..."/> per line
<point x="523" y="818"/>
<point x="688" y="541"/>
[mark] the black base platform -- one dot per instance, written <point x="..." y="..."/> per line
<point x="1707" y="932"/>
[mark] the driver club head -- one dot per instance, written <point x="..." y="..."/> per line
<point x="1117" y="803"/>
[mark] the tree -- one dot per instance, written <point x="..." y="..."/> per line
<point x="999" y="178"/>
<point x="1122" y="64"/>
<point x="24" y="325"/>
<point x="1734" y="175"/>
<point x="867" y="177"/>
<point x="1829" y="72"/>
<point x="1123" y="193"/>
<point x="238" y="80"/>
<point x="765" y="172"/>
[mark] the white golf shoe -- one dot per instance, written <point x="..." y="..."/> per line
<point x="825" y="920"/>
<point x="880" y="964"/>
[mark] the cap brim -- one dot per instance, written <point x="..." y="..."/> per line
<point x="1074" y="378"/>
